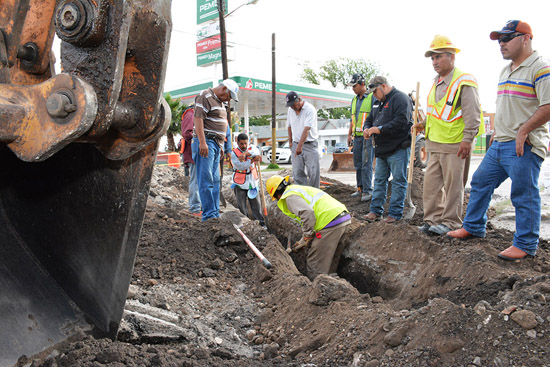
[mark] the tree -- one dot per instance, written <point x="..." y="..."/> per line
<point x="334" y="113"/>
<point x="177" y="108"/>
<point x="339" y="71"/>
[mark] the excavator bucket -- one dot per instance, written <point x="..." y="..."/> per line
<point x="342" y="162"/>
<point x="77" y="151"/>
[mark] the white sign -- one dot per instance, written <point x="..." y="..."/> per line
<point x="208" y="31"/>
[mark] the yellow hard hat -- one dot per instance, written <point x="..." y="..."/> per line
<point x="273" y="183"/>
<point x="441" y="44"/>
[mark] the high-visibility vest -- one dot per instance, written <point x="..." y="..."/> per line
<point x="239" y="176"/>
<point x="366" y="105"/>
<point x="444" y="121"/>
<point x="324" y="206"/>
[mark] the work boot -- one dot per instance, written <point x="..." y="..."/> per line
<point x="461" y="234"/>
<point x="425" y="228"/>
<point x="366" y="196"/>
<point x="440" y="229"/>
<point x="372" y="217"/>
<point x="356" y="194"/>
<point x="513" y="253"/>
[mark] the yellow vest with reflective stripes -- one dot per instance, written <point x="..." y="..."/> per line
<point x="324" y="206"/>
<point x="444" y="121"/>
<point x="364" y="110"/>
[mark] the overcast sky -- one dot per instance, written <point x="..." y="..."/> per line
<point x="394" y="34"/>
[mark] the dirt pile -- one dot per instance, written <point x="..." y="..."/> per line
<point x="199" y="297"/>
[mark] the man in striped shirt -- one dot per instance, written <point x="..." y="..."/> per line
<point x="519" y="143"/>
<point x="208" y="139"/>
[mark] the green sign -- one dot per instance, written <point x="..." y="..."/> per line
<point x="208" y="58"/>
<point x="208" y="10"/>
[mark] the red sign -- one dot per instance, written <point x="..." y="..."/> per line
<point x="209" y="44"/>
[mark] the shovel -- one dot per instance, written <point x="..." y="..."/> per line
<point x="264" y="206"/>
<point x="254" y="249"/>
<point x="410" y="209"/>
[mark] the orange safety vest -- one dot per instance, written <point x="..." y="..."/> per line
<point x="240" y="175"/>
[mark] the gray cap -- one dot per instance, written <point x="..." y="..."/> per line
<point x="376" y="82"/>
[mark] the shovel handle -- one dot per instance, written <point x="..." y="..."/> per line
<point x="413" y="137"/>
<point x="261" y="188"/>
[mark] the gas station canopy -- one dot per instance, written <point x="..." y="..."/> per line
<point x="255" y="96"/>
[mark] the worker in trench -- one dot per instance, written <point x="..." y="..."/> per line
<point x="323" y="220"/>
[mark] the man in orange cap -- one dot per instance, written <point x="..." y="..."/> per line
<point x="519" y="143"/>
<point x="453" y="119"/>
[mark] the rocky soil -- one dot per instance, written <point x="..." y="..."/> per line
<point x="199" y="296"/>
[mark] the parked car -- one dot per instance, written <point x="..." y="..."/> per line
<point x="340" y="148"/>
<point x="284" y="154"/>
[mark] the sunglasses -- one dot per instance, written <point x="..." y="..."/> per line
<point x="509" y="37"/>
<point x="372" y="86"/>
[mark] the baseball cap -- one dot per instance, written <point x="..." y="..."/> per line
<point x="376" y="82"/>
<point x="512" y="26"/>
<point x="233" y="88"/>
<point x="356" y="78"/>
<point x="291" y="97"/>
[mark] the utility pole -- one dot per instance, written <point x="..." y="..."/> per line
<point x="273" y="104"/>
<point x="223" y="38"/>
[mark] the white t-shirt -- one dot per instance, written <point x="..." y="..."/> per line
<point x="297" y="122"/>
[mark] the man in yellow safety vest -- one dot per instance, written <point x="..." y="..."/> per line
<point x="453" y="120"/>
<point x="323" y="220"/>
<point x="363" y="151"/>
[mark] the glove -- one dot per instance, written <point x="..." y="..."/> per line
<point x="303" y="242"/>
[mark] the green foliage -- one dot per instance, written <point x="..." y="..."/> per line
<point x="339" y="71"/>
<point x="309" y="75"/>
<point x="258" y="120"/>
<point x="177" y="108"/>
<point x="334" y="113"/>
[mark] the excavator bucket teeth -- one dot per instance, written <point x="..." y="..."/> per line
<point x="69" y="229"/>
<point x="342" y="162"/>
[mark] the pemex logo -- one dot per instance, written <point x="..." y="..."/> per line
<point x="248" y="84"/>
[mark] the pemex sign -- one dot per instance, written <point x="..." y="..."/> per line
<point x="208" y="10"/>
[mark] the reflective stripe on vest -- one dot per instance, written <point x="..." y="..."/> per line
<point x="324" y="206"/>
<point x="364" y="111"/>
<point x="444" y="121"/>
<point x="239" y="176"/>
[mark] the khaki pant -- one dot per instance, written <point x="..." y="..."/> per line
<point x="443" y="195"/>
<point x="324" y="253"/>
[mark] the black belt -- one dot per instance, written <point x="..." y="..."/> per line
<point x="305" y="142"/>
<point x="211" y="136"/>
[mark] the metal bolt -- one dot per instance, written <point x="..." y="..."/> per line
<point x="70" y="16"/>
<point x="59" y="105"/>
<point x="27" y="52"/>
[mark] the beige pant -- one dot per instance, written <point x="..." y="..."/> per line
<point x="324" y="253"/>
<point x="443" y="196"/>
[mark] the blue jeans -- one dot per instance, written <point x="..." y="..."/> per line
<point x="499" y="163"/>
<point x="208" y="178"/>
<point x="194" y="198"/>
<point x="363" y="156"/>
<point x="396" y="164"/>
